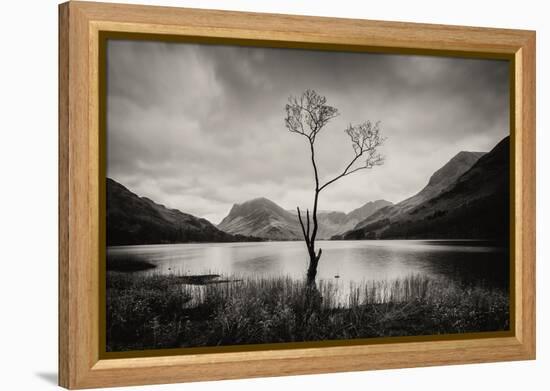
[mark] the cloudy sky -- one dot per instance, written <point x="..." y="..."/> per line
<point x="200" y="127"/>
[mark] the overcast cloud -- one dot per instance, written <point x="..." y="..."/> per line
<point x="200" y="127"/>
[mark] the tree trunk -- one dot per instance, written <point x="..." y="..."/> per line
<point x="310" y="240"/>
<point x="312" y="269"/>
<point x="310" y="244"/>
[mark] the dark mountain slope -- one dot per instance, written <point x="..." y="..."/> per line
<point x="444" y="177"/>
<point x="475" y="205"/>
<point x="441" y="179"/>
<point x="138" y="220"/>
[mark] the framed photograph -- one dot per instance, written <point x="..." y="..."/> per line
<point x="246" y="195"/>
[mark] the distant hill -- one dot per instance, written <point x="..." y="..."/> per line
<point x="138" y="220"/>
<point x="475" y="204"/>
<point x="356" y="216"/>
<point x="334" y="223"/>
<point x="263" y="218"/>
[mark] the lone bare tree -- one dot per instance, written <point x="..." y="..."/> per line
<point x="306" y="116"/>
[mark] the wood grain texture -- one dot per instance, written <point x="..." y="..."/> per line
<point x="80" y="365"/>
<point x="528" y="217"/>
<point x="63" y="221"/>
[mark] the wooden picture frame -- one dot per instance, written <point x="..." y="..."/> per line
<point x="81" y="25"/>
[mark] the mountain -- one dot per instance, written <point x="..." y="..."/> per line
<point x="440" y="180"/>
<point x="263" y="218"/>
<point x="329" y="223"/>
<point x="336" y="223"/>
<point x="474" y="205"/>
<point x="360" y="214"/>
<point x="444" y="177"/>
<point x="138" y="220"/>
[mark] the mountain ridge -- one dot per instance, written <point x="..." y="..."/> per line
<point x="132" y="219"/>
<point x="263" y="218"/>
<point x="449" y="172"/>
<point x="474" y="205"/>
<point x="467" y="197"/>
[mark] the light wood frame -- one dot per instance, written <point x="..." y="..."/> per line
<point x="80" y="24"/>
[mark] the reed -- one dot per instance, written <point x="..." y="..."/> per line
<point x="166" y="311"/>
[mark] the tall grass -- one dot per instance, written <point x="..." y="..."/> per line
<point x="160" y="311"/>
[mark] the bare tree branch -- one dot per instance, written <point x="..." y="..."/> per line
<point x="307" y="217"/>
<point x="311" y="110"/>
<point x="365" y="139"/>
<point x="306" y="116"/>
<point x="306" y="237"/>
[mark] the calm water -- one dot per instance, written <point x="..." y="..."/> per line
<point x="353" y="261"/>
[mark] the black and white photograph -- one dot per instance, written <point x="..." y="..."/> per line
<point x="259" y="195"/>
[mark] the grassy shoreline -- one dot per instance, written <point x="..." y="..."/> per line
<point x="168" y="311"/>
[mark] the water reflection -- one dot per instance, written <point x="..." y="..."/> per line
<point x="468" y="262"/>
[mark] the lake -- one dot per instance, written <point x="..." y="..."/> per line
<point x="468" y="262"/>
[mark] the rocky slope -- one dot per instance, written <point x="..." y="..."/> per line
<point x="263" y="218"/>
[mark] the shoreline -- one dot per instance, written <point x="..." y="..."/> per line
<point x="497" y="243"/>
